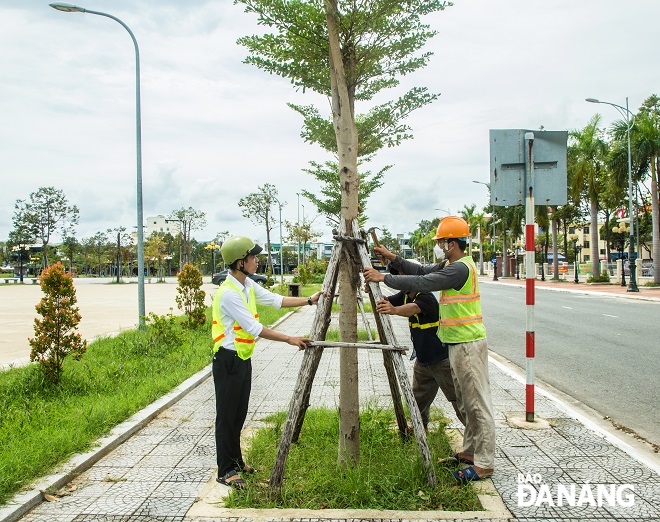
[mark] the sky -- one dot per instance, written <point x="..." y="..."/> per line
<point x="215" y="129"/>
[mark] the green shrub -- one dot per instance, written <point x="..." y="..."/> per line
<point x="604" y="278"/>
<point x="55" y="335"/>
<point x="191" y="296"/>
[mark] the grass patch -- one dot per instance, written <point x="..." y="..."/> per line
<point x="366" y="303"/>
<point x="333" y="334"/>
<point x="388" y="476"/>
<point x="42" y="425"/>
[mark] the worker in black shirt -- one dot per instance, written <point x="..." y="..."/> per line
<point x="431" y="370"/>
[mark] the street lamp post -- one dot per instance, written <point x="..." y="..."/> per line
<point x="576" y="249"/>
<point x="623" y="229"/>
<point x="281" y="248"/>
<point x="519" y="245"/>
<point x="298" y="223"/>
<point x="69" y="8"/>
<point x="20" y="251"/>
<point x="481" y="260"/>
<point x="212" y="246"/>
<point x="630" y="121"/>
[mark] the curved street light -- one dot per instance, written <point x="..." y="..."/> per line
<point x="69" y="8"/>
<point x="630" y="121"/>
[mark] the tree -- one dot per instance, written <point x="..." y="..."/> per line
<point x="586" y="168"/>
<point x="189" y="219"/>
<point x="55" y="334"/>
<point x="257" y="206"/>
<point x="328" y="202"/>
<point x="301" y="232"/>
<point x="45" y="213"/>
<point x="645" y="148"/>
<point x="70" y="247"/>
<point x="155" y="249"/>
<point x="346" y="51"/>
<point x="123" y="245"/>
<point x="190" y="298"/>
<point x="98" y="247"/>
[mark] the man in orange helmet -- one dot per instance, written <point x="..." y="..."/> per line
<point x="462" y="328"/>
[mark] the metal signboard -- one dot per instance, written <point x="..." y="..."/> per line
<point x="510" y="175"/>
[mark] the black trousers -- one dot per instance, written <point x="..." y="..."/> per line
<point x="232" y="377"/>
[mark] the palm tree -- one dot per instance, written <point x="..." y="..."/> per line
<point x="647" y="152"/>
<point x="586" y="166"/>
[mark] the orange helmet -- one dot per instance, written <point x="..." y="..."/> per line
<point x="453" y="227"/>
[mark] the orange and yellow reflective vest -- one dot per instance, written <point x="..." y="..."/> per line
<point x="244" y="341"/>
<point x="413" y="320"/>
<point x="460" y="312"/>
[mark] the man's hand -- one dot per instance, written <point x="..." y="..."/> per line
<point x="384" y="253"/>
<point x="384" y="307"/>
<point x="371" y="275"/>
<point x="300" y="342"/>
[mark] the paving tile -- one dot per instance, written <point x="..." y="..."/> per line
<point x="147" y="474"/>
<point x="178" y="489"/>
<point x="181" y="474"/>
<point x="166" y="506"/>
<point x="113" y="505"/>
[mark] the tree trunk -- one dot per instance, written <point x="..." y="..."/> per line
<point x="595" y="255"/>
<point x="347" y="143"/>
<point x="555" y="253"/>
<point x="607" y="236"/>
<point x="655" y="219"/>
<point x="505" y="258"/>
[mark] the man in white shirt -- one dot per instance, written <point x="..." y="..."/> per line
<point x="235" y="327"/>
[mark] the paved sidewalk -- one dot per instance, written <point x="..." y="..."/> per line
<point x="167" y="468"/>
<point x="646" y="293"/>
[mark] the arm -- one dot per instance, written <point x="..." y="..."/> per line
<point x="289" y="302"/>
<point x="407" y="310"/>
<point x="274" y="335"/>
<point x="453" y="276"/>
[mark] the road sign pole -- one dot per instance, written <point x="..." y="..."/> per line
<point x="530" y="275"/>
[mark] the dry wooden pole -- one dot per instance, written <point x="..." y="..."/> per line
<point x="390" y="338"/>
<point x="311" y="358"/>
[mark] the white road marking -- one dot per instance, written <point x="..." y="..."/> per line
<point x="568" y="307"/>
<point x="613" y="316"/>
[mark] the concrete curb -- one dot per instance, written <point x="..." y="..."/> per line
<point x="609" y="295"/>
<point x="22" y="503"/>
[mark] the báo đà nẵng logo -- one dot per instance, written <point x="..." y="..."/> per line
<point x="533" y="491"/>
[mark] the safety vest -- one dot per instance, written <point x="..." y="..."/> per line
<point x="460" y="312"/>
<point x="244" y="342"/>
<point x="413" y="320"/>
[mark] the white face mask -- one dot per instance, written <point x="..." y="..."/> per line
<point x="438" y="252"/>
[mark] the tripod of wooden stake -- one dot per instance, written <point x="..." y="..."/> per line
<point x="392" y="359"/>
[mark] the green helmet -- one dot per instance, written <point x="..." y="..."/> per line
<point x="238" y="247"/>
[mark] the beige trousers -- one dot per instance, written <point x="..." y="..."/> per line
<point x="469" y="368"/>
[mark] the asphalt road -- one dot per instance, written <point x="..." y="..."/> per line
<point x="602" y="351"/>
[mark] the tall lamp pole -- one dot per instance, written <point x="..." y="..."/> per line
<point x="69" y="8"/>
<point x="481" y="258"/>
<point x="630" y="121"/>
<point x="279" y="204"/>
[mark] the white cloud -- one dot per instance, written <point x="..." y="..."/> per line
<point x="214" y="129"/>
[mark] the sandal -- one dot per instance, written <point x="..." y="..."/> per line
<point x="469" y="475"/>
<point x="455" y="459"/>
<point x="248" y="469"/>
<point x="232" y="479"/>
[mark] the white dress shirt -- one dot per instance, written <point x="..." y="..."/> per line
<point x="232" y="308"/>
